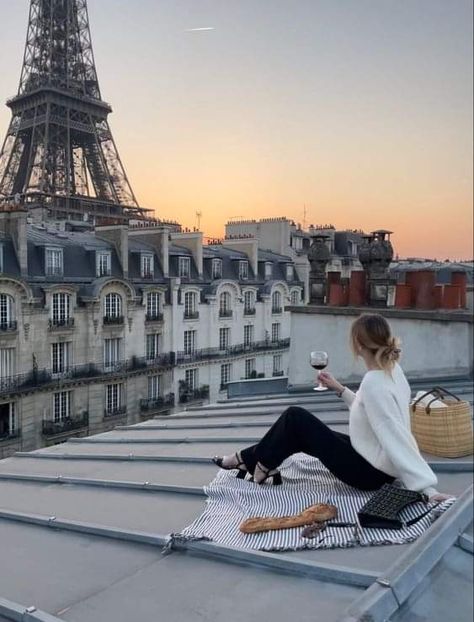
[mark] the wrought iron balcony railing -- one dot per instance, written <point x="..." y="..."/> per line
<point x="278" y="374"/>
<point x="113" y="320"/>
<point x="277" y="310"/>
<point x="226" y="313"/>
<point x="9" y="435"/>
<point x="8" y="327"/>
<point x="69" y="424"/>
<point x="250" y="311"/>
<point x="158" y="403"/>
<point x="191" y="315"/>
<point x="58" y="324"/>
<point x="115" y="412"/>
<point x="243" y="348"/>
<point x="192" y="395"/>
<point x="154" y="317"/>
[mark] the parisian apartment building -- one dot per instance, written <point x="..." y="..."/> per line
<point x="107" y="327"/>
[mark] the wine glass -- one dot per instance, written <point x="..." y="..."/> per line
<point x="319" y="360"/>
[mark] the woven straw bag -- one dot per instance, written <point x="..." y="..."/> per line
<point x="447" y="431"/>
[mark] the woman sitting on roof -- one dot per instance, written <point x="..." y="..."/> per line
<point x="380" y="446"/>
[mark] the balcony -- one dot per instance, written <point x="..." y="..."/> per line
<point x="191" y="315"/>
<point x="249" y="311"/>
<point x="120" y="411"/>
<point x="157" y="404"/>
<point x="277" y="310"/>
<point x="242" y="348"/>
<point x="278" y="374"/>
<point x="69" y="424"/>
<point x="225" y="313"/>
<point x="9" y="435"/>
<point x="8" y="327"/>
<point x="154" y="317"/>
<point x="187" y="395"/>
<point x="148" y="276"/>
<point x="61" y="324"/>
<point x="113" y="320"/>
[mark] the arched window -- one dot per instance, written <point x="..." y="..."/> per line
<point x="295" y="297"/>
<point x="225" y="302"/>
<point x="190" y="305"/>
<point x="7" y="312"/>
<point x="60" y="309"/>
<point x="276" y="302"/>
<point x="113" y="307"/>
<point x="249" y="303"/>
<point x="153" y="306"/>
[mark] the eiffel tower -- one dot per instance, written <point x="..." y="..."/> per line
<point x="59" y="155"/>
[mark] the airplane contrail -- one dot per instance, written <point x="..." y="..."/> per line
<point x="199" y="29"/>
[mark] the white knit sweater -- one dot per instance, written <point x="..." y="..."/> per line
<point x="379" y="429"/>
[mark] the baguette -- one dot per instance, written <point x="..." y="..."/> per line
<point x="318" y="513"/>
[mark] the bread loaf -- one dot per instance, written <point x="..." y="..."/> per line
<point x="320" y="512"/>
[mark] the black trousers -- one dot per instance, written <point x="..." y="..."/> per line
<point x="297" y="430"/>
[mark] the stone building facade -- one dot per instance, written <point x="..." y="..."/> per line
<point x="108" y="327"/>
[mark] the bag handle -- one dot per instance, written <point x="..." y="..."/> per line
<point x="442" y="390"/>
<point x="434" y="391"/>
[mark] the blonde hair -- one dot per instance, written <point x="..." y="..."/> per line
<point x="371" y="331"/>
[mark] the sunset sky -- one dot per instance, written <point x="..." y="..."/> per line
<point x="359" y="109"/>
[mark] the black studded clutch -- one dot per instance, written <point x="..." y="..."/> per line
<point x="383" y="509"/>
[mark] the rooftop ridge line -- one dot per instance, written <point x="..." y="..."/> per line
<point x="22" y="613"/>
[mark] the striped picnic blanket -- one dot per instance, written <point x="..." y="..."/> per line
<point x="305" y="482"/>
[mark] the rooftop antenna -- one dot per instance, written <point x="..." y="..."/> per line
<point x="199" y="216"/>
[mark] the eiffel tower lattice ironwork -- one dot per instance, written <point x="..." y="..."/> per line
<point x="59" y="152"/>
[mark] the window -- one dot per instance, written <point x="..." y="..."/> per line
<point x="277" y="359"/>
<point x="7" y="420"/>
<point x="243" y="270"/>
<point x="61" y="406"/>
<point x="154" y="387"/>
<point x="249" y="368"/>
<point x="113" y="306"/>
<point x="189" y="341"/>
<point x="295" y="297"/>
<point x="226" y="374"/>
<point x="1" y="257"/>
<point x="184" y="267"/>
<point x="114" y="399"/>
<point x="248" y="335"/>
<point x="217" y="268"/>
<point x="249" y="303"/>
<point x="112" y="353"/>
<point x="61" y="308"/>
<point x="147" y="266"/>
<point x="268" y="270"/>
<point x="104" y="263"/>
<point x="191" y="379"/>
<point x="276" y="332"/>
<point x="153" y="306"/>
<point x="54" y="262"/>
<point x="152" y="346"/>
<point x="7" y="364"/>
<point x="61" y="357"/>
<point x="224" y="338"/>
<point x="190" y="305"/>
<point x="276" y="302"/>
<point x="225" y="302"/>
<point x="7" y="312"/>
<point x="290" y="273"/>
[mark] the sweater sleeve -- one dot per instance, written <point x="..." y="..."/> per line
<point x="348" y="396"/>
<point x="397" y="440"/>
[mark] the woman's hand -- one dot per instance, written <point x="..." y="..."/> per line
<point x="440" y="497"/>
<point x="329" y="381"/>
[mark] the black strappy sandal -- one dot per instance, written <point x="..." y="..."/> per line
<point x="241" y="473"/>
<point x="275" y="476"/>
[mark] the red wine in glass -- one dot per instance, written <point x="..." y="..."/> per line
<point x="319" y="360"/>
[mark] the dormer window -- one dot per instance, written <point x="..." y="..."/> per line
<point x="243" y="270"/>
<point x="147" y="266"/>
<point x="268" y="270"/>
<point x="290" y="273"/>
<point x="184" y="267"/>
<point x="217" y="268"/>
<point x="104" y="263"/>
<point x="54" y="262"/>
